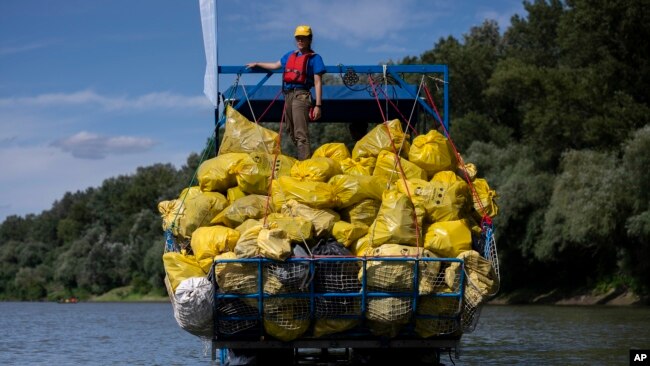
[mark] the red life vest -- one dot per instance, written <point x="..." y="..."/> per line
<point x="295" y="71"/>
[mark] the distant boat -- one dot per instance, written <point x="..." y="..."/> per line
<point x="69" y="300"/>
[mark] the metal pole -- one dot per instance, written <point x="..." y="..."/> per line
<point x="216" y="79"/>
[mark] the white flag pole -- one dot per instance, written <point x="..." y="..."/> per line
<point x="211" y="79"/>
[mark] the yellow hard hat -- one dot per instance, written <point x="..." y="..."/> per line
<point x="303" y="30"/>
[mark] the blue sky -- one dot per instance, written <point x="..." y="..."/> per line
<point x="94" y="89"/>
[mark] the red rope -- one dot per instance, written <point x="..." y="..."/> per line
<point x="276" y="153"/>
<point x="396" y="109"/>
<point x="269" y="107"/>
<point x="485" y="218"/>
<point x="399" y="164"/>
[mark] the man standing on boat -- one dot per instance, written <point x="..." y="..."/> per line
<point x="303" y="70"/>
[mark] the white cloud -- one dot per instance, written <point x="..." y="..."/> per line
<point x="85" y="145"/>
<point x="352" y="23"/>
<point x="6" y="50"/>
<point x="387" y="48"/>
<point x="156" y="100"/>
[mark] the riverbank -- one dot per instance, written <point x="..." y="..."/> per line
<point x="584" y="297"/>
<point x="125" y="294"/>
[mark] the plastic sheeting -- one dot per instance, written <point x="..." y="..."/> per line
<point x="193" y="306"/>
<point x="242" y="135"/>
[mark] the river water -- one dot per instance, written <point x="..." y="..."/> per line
<point x="147" y="334"/>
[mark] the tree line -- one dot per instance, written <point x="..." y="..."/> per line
<point x="553" y="111"/>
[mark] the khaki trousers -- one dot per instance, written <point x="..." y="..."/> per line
<point x="297" y="103"/>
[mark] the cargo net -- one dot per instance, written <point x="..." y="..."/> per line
<point x="337" y="277"/>
<point x="439" y="296"/>
<point x="286" y="277"/>
<point x="482" y="280"/>
<point x="438" y="307"/>
<point x="236" y="315"/>
<point x="281" y="315"/>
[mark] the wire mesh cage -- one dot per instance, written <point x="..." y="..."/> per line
<point x="431" y="296"/>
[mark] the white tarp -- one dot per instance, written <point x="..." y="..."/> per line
<point x="209" y="26"/>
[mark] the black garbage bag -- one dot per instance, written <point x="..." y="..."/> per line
<point x="287" y="277"/>
<point x="335" y="276"/>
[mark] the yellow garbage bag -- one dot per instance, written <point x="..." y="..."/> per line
<point x="220" y="201"/>
<point x="398" y="276"/>
<point x="253" y="173"/>
<point x="253" y="206"/>
<point x="333" y="150"/>
<point x="480" y="271"/>
<point x="234" y="193"/>
<point x="215" y="174"/>
<point x="352" y="189"/>
<point x="270" y="243"/>
<point x="274" y="244"/>
<point x="421" y="193"/>
<point x="325" y="326"/>
<point x="382" y="137"/>
<point x="451" y="198"/>
<point x="388" y="168"/>
<point x="470" y="169"/>
<point x="286" y="318"/>
<point x="297" y="228"/>
<point x="313" y="194"/>
<point x="246" y="246"/>
<point x="486" y="197"/>
<point x="358" y="166"/>
<point x="446" y="308"/>
<point x="169" y="212"/>
<point x="432" y="152"/>
<point x="322" y="220"/>
<point x="191" y="210"/>
<point x="209" y="241"/>
<point x="236" y="277"/>
<point x="180" y="267"/>
<point x="347" y="233"/>
<point x="481" y="283"/>
<point x="364" y="212"/>
<point x="319" y="169"/>
<point x="361" y="247"/>
<point x="387" y="315"/>
<point x="448" y="239"/>
<point x="244" y="136"/>
<point x="395" y="222"/>
<point x="249" y="223"/>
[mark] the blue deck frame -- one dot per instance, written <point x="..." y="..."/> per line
<point x="393" y="70"/>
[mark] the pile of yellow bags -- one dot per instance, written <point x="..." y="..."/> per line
<point x="386" y="197"/>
